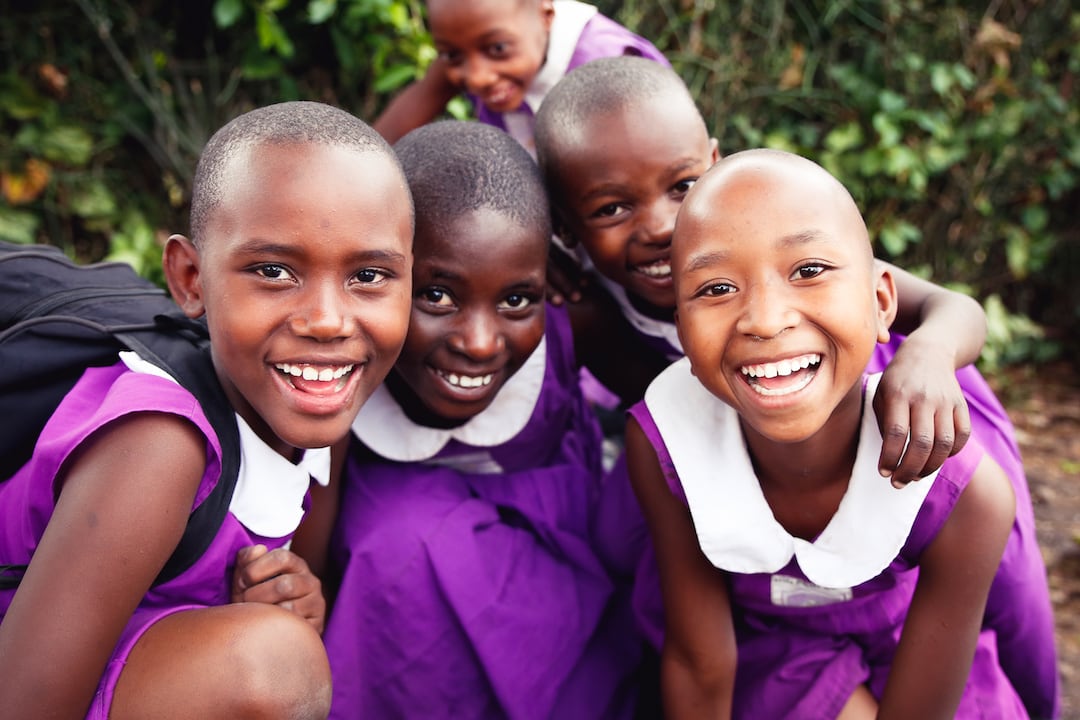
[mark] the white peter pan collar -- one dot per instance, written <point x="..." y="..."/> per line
<point x="385" y="428"/>
<point x="570" y="20"/>
<point x="269" y="495"/>
<point x="736" y="528"/>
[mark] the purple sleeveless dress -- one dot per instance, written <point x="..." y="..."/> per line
<point x="469" y="588"/>
<point x="1018" y="609"/>
<point x="803" y="648"/>
<point x="102" y="396"/>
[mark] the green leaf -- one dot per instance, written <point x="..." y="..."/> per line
<point x="19" y="100"/>
<point x="227" y="12"/>
<point x="93" y="200"/>
<point x="845" y="137"/>
<point x="896" y="235"/>
<point x="18" y="226"/>
<point x="67" y="144"/>
<point x="319" y="11"/>
<point x="394" y="77"/>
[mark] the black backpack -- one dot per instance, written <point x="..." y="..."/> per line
<point x="58" y="318"/>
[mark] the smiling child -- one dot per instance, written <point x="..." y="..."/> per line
<point x="299" y="259"/>
<point x="469" y="587"/>
<point x="797" y="583"/>
<point x="505" y="55"/>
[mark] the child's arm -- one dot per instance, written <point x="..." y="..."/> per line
<point x="416" y="105"/>
<point x="938" y="642"/>
<point x="122" y="508"/>
<point x="698" y="659"/>
<point x="919" y="394"/>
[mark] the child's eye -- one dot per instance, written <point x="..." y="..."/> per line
<point x="609" y="211"/>
<point x="515" y="302"/>
<point x="717" y="289"/>
<point x="808" y="271"/>
<point x="499" y="49"/>
<point x="369" y="276"/>
<point x="271" y="271"/>
<point x="436" y="296"/>
<point x="683" y="186"/>
<point x="452" y="57"/>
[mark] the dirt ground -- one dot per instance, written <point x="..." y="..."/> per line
<point x="1044" y="405"/>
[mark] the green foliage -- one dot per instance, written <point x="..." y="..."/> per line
<point x="955" y="123"/>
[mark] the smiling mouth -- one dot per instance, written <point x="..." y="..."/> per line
<point x="465" y="381"/>
<point x="783" y="377"/>
<point x="657" y="270"/>
<point x="311" y="377"/>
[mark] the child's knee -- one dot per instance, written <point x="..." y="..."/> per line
<point x="280" y="669"/>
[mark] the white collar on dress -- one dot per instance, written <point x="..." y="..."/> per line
<point x="570" y="20"/>
<point x="385" y="428"/>
<point x="270" y="489"/>
<point x="735" y="526"/>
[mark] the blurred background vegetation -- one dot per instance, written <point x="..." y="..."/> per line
<point x="955" y="124"/>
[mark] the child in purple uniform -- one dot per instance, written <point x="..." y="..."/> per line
<point x="620" y="142"/>
<point x="469" y="588"/>
<point x="299" y="258"/>
<point x="506" y="55"/>
<point x="797" y="584"/>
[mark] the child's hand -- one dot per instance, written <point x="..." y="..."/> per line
<point x="279" y="577"/>
<point x="565" y="277"/>
<point x="919" y="396"/>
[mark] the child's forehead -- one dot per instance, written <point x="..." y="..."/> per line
<point x="483" y="16"/>
<point x="785" y="201"/>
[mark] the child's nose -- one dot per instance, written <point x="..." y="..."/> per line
<point x="766" y="311"/>
<point x="658" y="222"/>
<point x="479" y="75"/>
<point x="324" y="314"/>
<point x="478" y="337"/>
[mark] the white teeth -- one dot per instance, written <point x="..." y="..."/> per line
<point x="786" y="390"/>
<point x="657" y="270"/>
<point x="309" y="372"/>
<point x="467" y="381"/>
<point x="783" y="367"/>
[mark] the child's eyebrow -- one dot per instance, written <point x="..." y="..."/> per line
<point x="801" y="238"/>
<point x="700" y="261"/>
<point x="270" y="247"/>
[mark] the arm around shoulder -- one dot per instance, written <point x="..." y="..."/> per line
<point x="123" y="504"/>
<point x="698" y="659"/>
<point x="943" y="623"/>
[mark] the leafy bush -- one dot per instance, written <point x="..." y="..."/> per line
<point x="954" y="122"/>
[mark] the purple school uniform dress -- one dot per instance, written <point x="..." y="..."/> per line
<point x="1018" y="608"/>
<point x="269" y="496"/>
<point x="579" y="33"/>
<point x="814" y="620"/>
<point x="469" y="588"/>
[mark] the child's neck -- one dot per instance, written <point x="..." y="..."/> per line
<point x="804" y="482"/>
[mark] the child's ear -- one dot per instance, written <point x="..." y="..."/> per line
<point x="547" y="13"/>
<point x="714" y="151"/>
<point x="885" y="293"/>
<point x="181" y="264"/>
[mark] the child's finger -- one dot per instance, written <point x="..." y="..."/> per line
<point x="242" y="576"/>
<point x="922" y="443"/>
<point x="962" y="427"/>
<point x="894" y="423"/>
